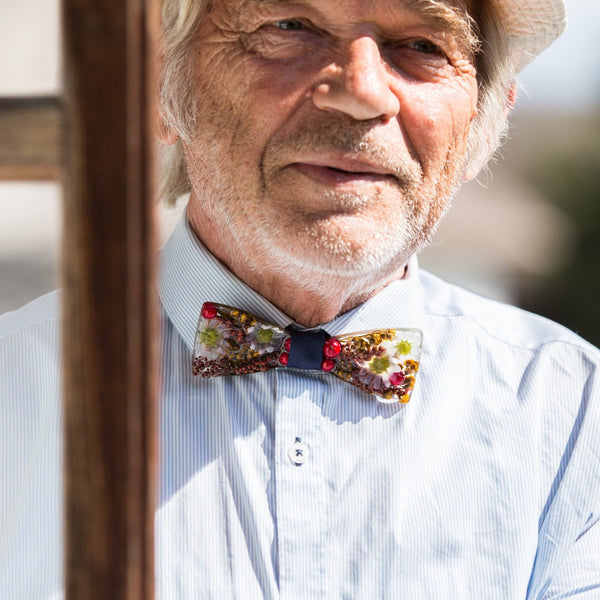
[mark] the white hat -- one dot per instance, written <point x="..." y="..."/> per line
<point x="532" y="25"/>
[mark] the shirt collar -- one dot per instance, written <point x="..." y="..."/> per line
<point x="190" y="275"/>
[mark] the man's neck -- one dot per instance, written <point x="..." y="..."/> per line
<point x="309" y="298"/>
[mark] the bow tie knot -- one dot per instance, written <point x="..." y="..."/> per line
<point x="230" y="341"/>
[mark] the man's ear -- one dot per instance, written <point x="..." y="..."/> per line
<point x="165" y="133"/>
<point x="511" y="98"/>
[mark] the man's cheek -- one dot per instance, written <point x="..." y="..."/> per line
<point x="222" y="66"/>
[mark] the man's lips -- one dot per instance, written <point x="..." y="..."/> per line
<point x="341" y="171"/>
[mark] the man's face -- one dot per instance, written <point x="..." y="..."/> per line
<point x="330" y="133"/>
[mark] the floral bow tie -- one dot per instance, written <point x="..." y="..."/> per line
<point x="232" y="342"/>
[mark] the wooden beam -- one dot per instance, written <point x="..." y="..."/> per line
<point x="108" y="306"/>
<point x="31" y="138"/>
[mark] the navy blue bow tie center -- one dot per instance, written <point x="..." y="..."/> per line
<point x="306" y="347"/>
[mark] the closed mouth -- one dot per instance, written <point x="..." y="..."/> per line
<point x="340" y="171"/>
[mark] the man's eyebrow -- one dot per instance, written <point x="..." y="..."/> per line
<point x="442" y="15"/>
<point x="448" y="18"/>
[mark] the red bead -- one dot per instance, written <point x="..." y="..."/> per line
<point x="397" y="378"/>
<point x="209" y="310"/>
<point x="327" y="364"/>
<point x="287" y="344"/>
<point x="331" y="348"/>
<point x="283" y="358"/>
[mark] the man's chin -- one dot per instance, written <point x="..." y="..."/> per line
<point x="340" y="261"/>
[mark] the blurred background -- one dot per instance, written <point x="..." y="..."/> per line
<point x="526" y="232"/>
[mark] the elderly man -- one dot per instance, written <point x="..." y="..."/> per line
<point x="447" y="450"/>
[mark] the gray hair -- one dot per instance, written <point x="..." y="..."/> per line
<point x="177" y="106"/>
<point x="496" y="73"/>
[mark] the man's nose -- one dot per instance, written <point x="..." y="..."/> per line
<point x="359" y="85"/>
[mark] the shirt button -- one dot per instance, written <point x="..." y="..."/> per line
<point x="298" y="452"/>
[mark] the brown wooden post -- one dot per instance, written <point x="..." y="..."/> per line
<point x="108" y="307"/>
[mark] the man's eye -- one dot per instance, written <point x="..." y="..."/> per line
<point x="425" y="46"/>
<point x="290" y="25"/>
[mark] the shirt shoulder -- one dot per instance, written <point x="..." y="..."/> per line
<point x="30" y="449"/>
<point x="30" y="361"/>
<point x="527" y="389"/>
<point x="503" y="323"/>
<point x="30" y="351"/>
<point x="38" y="313"/>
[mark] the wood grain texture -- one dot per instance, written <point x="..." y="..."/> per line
<point x="108" y="306"/>
<point x="30" y="139"/>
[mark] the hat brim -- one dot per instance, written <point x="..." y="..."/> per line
<point x="532" y="25"/>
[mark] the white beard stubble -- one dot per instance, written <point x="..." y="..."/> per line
<point x="323" y="249"/>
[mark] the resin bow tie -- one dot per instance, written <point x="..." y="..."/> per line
<point x="232" y="342"/>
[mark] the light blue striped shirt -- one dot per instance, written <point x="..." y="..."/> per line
<point x="294" y="485"/>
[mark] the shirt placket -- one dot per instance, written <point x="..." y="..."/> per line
<point x="300" y="486"/>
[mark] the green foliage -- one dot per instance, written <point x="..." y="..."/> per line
<point x="570" y="178"/>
